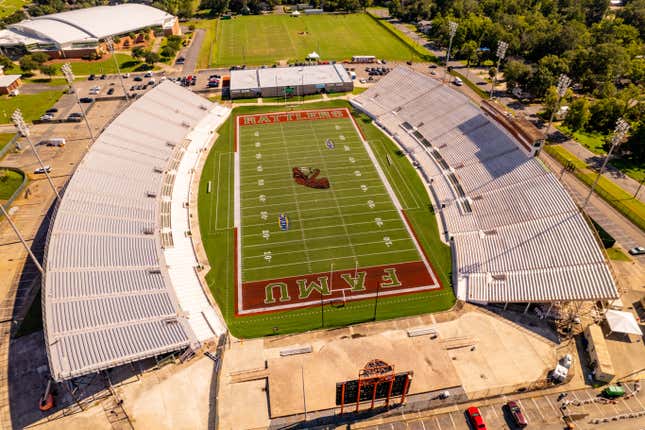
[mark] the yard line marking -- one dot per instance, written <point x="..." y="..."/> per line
<point x="337" y="189"/>
<point x="379" y="231"/>
<point x="317" y="199"/>
<point x="323" y="227"/>
<point x="334" y="258"/>
<point x="317" y="209"/>
<point x="293" y="190"/>
<point x="398" y="172"/>
<point x="317" y="249"/>
<point x="354" y="214"/>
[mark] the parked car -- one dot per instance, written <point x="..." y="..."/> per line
<point x="103" y="77"/>
<point x="180" y="60"/>
<point x="475" y="418"/>
<point x="637" y="250"/>
<point x="213" y="84"/>
<point x="56" y="141"/>
<point x="138" y="78"/>
<point x="91" y="77"/>
<point x="458" y="82"/>
<point x="87" y="100"/>
<point x="51" y="110"/>
<point x="74" y="118"/>
<point x="46" y="117"/>
<point x="126" y="75"/>
<point x="516" y="414"/>
<point x="110" y="91"/>
<point x="148" y="75"/>
<point x="613" y="392"/>
<point x="41" y="170"/>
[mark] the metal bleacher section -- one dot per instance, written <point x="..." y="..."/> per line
<point x="109" y="292"/>
<point x="516" y="234"/>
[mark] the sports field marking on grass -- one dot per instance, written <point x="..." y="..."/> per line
<point x="338" y="249"/>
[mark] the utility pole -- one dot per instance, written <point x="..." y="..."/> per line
<point x="110" y="44"/>
<point x="20" y="124"/>
<point x="69" y="76"/>
<point x="563" y="84"/>
<point x="619" y="133"/>
<point x="453" y="30"/>
<point x="501" y="53"/>
<point x="22" y="240"/>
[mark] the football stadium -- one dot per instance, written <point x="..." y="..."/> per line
<point x="188" y="221"/>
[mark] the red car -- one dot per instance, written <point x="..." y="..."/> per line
<point x="516" y="414"/>
<point x="475" y="418"/>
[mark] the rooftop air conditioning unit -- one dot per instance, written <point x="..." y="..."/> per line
<point x="185" y="124"/>
<point x="148" y="230"/>
<point x="154" y="271"/>
<point x="151" y="194"/>
<point x="158" y="169"/>
<point x="203" y="107"/>
<point x="172" y="145"/>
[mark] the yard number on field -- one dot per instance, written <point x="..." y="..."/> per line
<point x="263" y="198"/>
<point x="260" y="182"/>
<point x="264" y="215"/>
<point x="387" y="241"/>
<point x="258" y="144"/>
<point x="371" y="204"/>
<point x="357" y="173"/>
<point x="266" y="234"/>
<point x="260" y="168"/>
<point x="352" y="160"/>
<point x="379" y="222"/>
<point x="347" y="148"/>
<point x="267" y="255"/>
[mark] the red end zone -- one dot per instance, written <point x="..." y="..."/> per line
<point x="342" y="285"/>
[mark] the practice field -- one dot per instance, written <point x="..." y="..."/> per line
<point x="289" y="254"/>
<point x="256" y="40"/>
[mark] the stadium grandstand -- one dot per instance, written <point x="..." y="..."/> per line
<point x="121" y="276"/>
<point x="79" y="32"/>
<point x="516" y="234"/>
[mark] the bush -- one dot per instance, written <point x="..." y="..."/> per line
<point x="168" y="51"/>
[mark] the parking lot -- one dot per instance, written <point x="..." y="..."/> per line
<point x="542" y="412"/>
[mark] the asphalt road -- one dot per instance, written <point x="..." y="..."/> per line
<point x="192" y="53"/>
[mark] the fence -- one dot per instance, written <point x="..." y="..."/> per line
<point x="21" y="187"/>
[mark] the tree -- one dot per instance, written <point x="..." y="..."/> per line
<point x="151" y="57"/>
<point x="469" y="52"/>
<point x="6" y="62"/>
<point x="578" y="115"/>
<point x="40" y="57"/>
<point x="138" y="52"/>
<point x="550" y="103"/>
<point x="48" y="70"/>
<point x="517" y="74"/>
<point x="605" y="113"/>
<point x="27" y="64"/>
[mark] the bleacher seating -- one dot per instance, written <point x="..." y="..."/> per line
<point x="517" y="234"/>
<point x="108" y="296"/>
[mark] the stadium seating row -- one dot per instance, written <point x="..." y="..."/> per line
<point x="516" y="232"/>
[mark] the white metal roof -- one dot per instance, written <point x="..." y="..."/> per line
<point x="88" y="24"/>
<point x="108" y="297"/>
<point x="623" y="322"/>
<point x="524" y="239"/>
<point x="6" y="80"/>
<point x="288" y="76"/>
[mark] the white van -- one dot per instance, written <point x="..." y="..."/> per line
<point x="56" y="141"/>
<point x="458" y="82"/>
<point x="352" y="75"/>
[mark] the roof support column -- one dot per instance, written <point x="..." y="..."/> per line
<point x="527" y="307"/>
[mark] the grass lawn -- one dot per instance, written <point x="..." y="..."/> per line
<point x="31" y="105"/>
<point x="617" y="255"/>
<point x="126" y="64"/>
<point x="622" y="201"/>
<point x="5" y="138"/>
<point x="7" y="7"/>
<point x="591" y="141"/>
<point x="216" y="222"/>
<point x="334" y="37"/>
<point x="9" y="183"/>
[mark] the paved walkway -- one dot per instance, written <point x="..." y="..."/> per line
<point x="628" y="184"/>
<point x="192" y="53"/>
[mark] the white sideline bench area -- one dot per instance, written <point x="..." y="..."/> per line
<point x="120" y="280"/>
<point x="515" y="232"/>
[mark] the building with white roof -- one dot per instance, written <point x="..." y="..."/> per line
<point x="297" y="81"/>
<point x="75" y="33"/>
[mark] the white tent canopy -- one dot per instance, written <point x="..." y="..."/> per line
<point x="623" y="322"/>
<point x="313" y="56"/>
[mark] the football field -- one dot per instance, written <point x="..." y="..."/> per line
<point x="316" y="221"/>
<point x="310" y="221"/>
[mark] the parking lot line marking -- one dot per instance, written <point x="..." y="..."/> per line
<point x="635" y="396"/>
<point x="525" y="410"/>
<point x="557" y="412"/>
<point x="595" y="404"/>
<point x="423" y="425"/>
<point x="437" y="420"/>
<point x="492" y="408"/>
<point x="454" y="426"/>
<point x="538" y="409"/>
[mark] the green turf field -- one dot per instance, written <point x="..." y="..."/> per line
<point x="255" y="40"/>
<point x="333" y="223"/>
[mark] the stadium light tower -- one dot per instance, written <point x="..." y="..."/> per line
<point x="501" y="53"/>
<point x="23" y="129"/>
<point x="619" y="134"/>
<point x="22" y="240"/>
<point x="563" y="85"/>
<point x="110" y="44"/>
<point x="453" y="30"/>
<point x="69" y="76"/>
